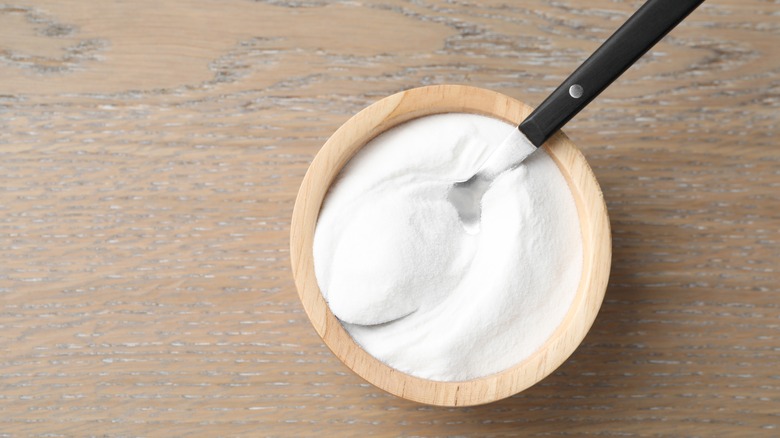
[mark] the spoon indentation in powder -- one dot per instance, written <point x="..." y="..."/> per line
<point x="466" y="196"/>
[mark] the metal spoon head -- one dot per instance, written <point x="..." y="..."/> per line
<point x="466" y="197"/>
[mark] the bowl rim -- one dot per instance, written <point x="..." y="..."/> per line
<point x="594" y="225"/>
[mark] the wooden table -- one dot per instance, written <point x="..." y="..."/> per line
<point x="150" y="153"/>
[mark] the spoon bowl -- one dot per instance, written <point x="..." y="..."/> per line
<point x="466" y="196"/>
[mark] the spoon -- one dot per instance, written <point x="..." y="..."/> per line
<point x="634" y="38"/>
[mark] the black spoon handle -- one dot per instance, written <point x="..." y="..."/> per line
<point x="635" y="37"/>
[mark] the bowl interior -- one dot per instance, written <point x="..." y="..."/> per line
<point x="594" y="224"/>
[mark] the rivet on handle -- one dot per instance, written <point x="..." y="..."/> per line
<point x="575" y="91"/>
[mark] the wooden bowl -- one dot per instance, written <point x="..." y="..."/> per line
<point x="397" y="109"/>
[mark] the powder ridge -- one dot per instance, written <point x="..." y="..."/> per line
<point x="411" y="286"/>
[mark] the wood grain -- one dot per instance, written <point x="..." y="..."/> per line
<point x="150" y="153"/>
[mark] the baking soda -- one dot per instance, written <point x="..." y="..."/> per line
<point x="417" y="289"/>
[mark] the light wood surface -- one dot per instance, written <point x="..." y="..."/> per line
<point x="594" y="225"/>
<point x="150" y="153"/>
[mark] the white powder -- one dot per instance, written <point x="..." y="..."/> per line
<point x="411" y="286"/>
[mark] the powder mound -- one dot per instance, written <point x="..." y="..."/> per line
<point x="389" y="248"/>
<point x="412" y="286"/>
